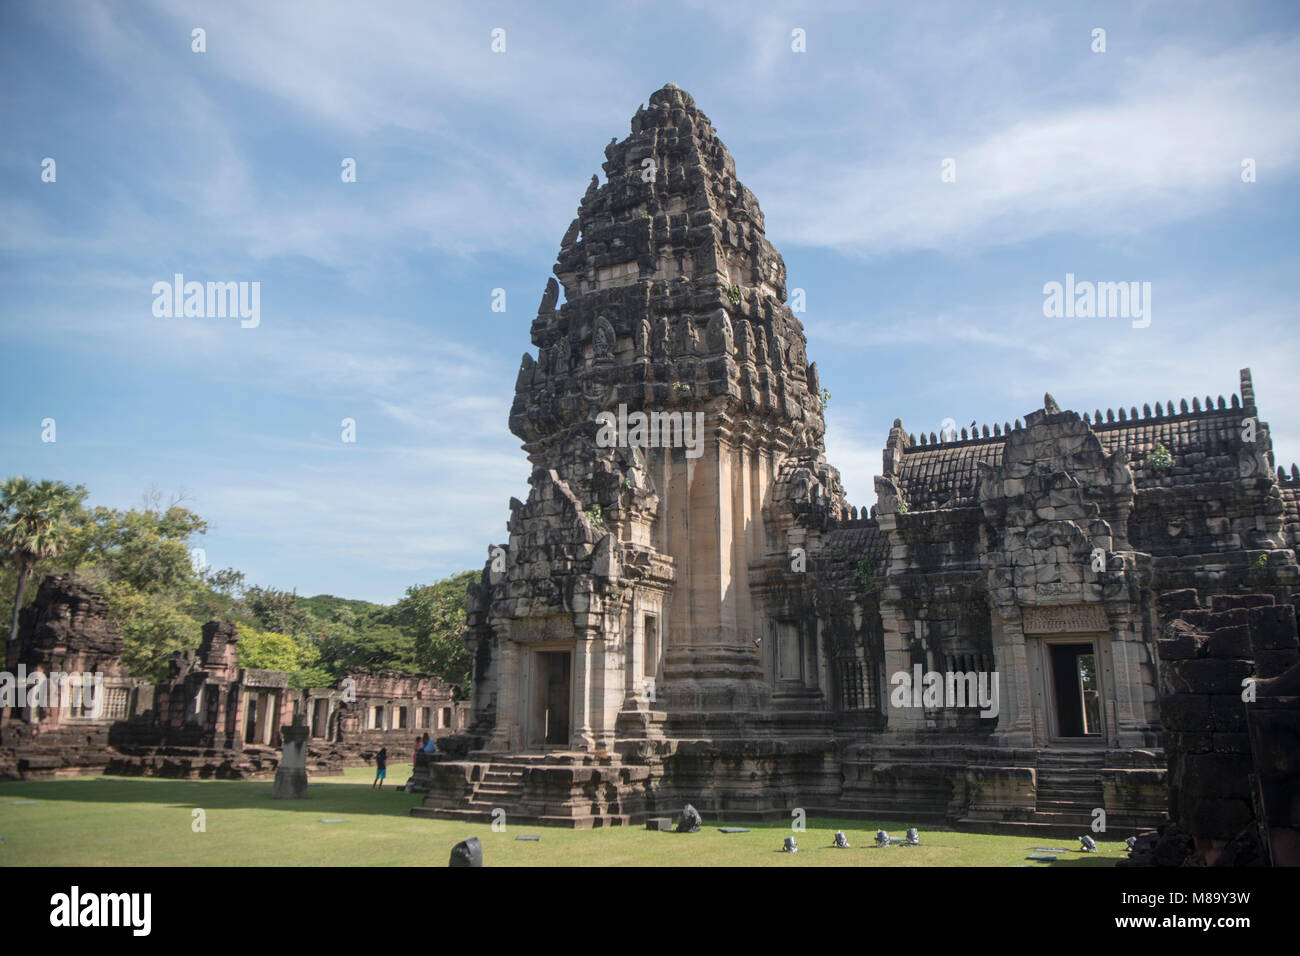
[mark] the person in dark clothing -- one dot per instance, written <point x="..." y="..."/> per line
<point x="381" y="768"/>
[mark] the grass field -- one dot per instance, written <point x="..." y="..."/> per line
<point x="93" y="821"/>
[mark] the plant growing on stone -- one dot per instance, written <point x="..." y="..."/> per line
<point x="681" y="386"/>
<point x="862" y="573"/>
<point x="734" y="294"/>
<point x="595" y="516"/>
<point x="1159" y="459"/>
<point x="1261" y="562"/>
<point x="826" y="398"/>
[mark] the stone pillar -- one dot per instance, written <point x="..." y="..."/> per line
<point x="291" y="775"/>
<point x="1015" y="726"/>
<point x="508" y="733"/>
<point x="584" y="693"/>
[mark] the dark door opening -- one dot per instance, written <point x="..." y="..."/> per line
<point x="1076" y="690"/>
<point x="250" y="721"/>
<point x="556" y="668"/>
<point x="320" y="717"/>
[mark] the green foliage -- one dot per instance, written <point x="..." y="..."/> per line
<point x="826" y="398"/>
<point x="1261" y="562"/>
<point x="370" y="646"/>
<point x="38" y="521"/>
<point x="435" y="615"/>
<point x="734" y="294"/>
<point x="595" y="516"/>
<point x="152" y="626"/>
<point x="1159" y="459"/>
<point x="268" y="650"/>
<point x="279" y="611"/>
<point x="862" y="573"/>
<point x="139" y="560"/>
<point x="147" y="549"/>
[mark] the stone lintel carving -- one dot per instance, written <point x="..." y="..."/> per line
<point x="1064" y="619"/>
<point x="262" y="678"/>
<point x="533" y="630"/>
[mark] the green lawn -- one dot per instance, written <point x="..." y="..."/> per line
<point x="90" y="821"/>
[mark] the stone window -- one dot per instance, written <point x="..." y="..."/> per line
<point x="377" y="718"/>
<point x="650" y="666"/>
<point x="444" y="719"/>
<point x="399" y="718"/>
<point x="116" y="700"/>
<point x="77" y="700"/>
<point x="788" y="651"/>
<point x="853" y="688"/>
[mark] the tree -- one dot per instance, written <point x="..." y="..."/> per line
<point x="267" y="650"/>
<point x="434" y="614"/>
<point x="279" y="611"/>
<point x="147" y="549"/>
<point x="37" y="520"/>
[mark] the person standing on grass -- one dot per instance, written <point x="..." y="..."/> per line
<point x="415" y="755"/>
<point x="381" y="768"/>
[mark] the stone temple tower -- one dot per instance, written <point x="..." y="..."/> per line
<point x="628" y="602"/>
<point x="686" y="610"/>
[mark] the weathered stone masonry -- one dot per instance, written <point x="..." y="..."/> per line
<point x="210" y="718"/>
<point x="646" y="636"/>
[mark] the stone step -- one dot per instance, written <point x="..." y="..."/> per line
<point x="583" y="822"/>
<point x="1065" y="806"/>
<point x="1079" y="791"/>
<point x="497" y="792"/>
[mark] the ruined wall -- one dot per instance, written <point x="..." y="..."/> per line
<point x="1234" y="764"/>
<point x="388" y="709"/>
<point x="66" y="630"/>
<point x="197" y="721"/>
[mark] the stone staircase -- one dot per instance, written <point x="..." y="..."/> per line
<point x="575" y="790"/>
<point x="1069" y="788"/>
<point x="1071" y="783"/>
<point x="502" y="786"/>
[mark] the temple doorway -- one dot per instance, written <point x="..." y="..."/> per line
<point x="551" y="699"/>
<point x="250" y="720"/>
<point x="1075" y="690"/>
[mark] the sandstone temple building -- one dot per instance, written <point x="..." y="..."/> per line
<point x="209" y="718"/>
<point x="713" y="623"/>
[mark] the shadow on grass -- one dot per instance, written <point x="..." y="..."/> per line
<point x="325" y="796"/>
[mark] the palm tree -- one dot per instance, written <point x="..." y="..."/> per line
<point x="36" y="521"/>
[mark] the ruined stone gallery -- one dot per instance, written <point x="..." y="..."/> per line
<point x="683" y="615"/>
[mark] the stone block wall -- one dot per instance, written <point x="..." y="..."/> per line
<point x="1212" y="660"/>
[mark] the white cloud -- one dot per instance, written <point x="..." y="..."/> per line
<point x="1167" y="148"/>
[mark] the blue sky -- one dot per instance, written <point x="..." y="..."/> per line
<point x="924" y="298"/>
